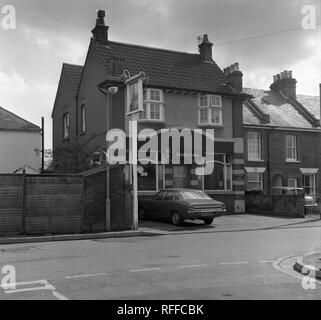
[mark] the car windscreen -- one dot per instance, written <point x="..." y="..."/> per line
<point x="190" y="195"/>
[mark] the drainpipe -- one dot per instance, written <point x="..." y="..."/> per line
<point x="42" y="144"/>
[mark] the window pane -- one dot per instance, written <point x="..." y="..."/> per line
<point x="155" y="95"/>
<point x="155" y="111"/>
<point x="216" y="101"/>
<point x="309" y="184"/>
<point x="254" y="145"/>
<point x="203" y="101"/>
<point x="254" y="181"/>
<point x="203" y="115"/>
<point x="291" y="147"/>
<point x="216" y="115"/>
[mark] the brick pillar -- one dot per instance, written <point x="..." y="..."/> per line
<point x="238" y="174"/>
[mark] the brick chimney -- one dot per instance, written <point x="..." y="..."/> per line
<point x="100" y="32"/>
<point x="205" y="48"/>
<point x="285" y="83"/>
<point x="234" y="76"/>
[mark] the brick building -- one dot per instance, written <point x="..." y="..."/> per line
<point x="182" y="90"/>
<point x="282" y="137"/>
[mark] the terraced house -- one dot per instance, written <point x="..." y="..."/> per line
<point x="181" y="90"/>
<point x="282" y="137"/>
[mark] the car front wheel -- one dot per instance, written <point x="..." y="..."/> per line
<point x="208" y="220"/>
<point x="176" y="219"/>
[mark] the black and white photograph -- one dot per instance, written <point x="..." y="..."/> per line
<point x="161" y="155"/>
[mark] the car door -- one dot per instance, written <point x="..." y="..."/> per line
<point x="156" y="205"/>
<point x="168" y="204"/>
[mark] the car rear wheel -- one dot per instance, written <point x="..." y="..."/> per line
<point x="208" y="220"/>
<point x="142" y="214"/>
<point x="176" y="218"/>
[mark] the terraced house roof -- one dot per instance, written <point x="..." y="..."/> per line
<point x="10" y="121"/>
<point x="166" y="68"/>
<point x="74" y="73"/>
<point x="280" y="111"/>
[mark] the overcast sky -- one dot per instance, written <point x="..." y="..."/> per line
<point x="49" y="33"/>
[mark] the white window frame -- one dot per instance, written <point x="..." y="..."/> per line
<point x="210" y="106"/>
<point x="291" y="147"/>
<point x="83" y="118"/>
<point x="66" y="125"/>
<point x="251" y="156"/>
<point x="148" y="102"/>
<point x="260" y="181"/>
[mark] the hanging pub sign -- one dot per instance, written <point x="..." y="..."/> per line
<point x="135" y="94"/>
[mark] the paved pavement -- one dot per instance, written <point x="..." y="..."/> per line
<point x="256" y="264"/>
<point x="232" y="223"/>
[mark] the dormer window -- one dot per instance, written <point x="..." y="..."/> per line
<point x="153" y="105"/>
<point x="210" y="110"/>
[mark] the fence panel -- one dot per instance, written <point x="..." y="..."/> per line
<point x="11" y="204"/>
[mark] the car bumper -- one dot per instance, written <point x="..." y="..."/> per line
<point x="201" y="214"/>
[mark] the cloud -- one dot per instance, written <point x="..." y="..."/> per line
<point x="66" y="49"/>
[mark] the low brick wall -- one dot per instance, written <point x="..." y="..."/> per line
<point x="281" y="205"/>
<point x="94" y="200"/>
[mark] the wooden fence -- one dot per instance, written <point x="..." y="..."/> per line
<point x="40" y="204"/>
<point x="60" y="204"/>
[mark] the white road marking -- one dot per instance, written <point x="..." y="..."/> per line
<point x="142" y="270"/>
<point x="45" y="286"/>
<point x="266" y="261"/>
<point x="193" y="266"/>
<point x="86" y="275"/>
<point x="236" y="262"/>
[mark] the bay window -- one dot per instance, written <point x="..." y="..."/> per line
<point x="210" y="110"/>
<point x="153" y="105"/>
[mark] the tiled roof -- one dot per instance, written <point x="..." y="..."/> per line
<point x="282" y="114"/>
<point x="165" y="68"/>
<point x="10" y="121"/>
<point x="74" y="73"/>
<point x="311" y="103"/>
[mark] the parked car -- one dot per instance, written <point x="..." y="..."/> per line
<point x="177" y="205"/>
<point x="310" y="201"/>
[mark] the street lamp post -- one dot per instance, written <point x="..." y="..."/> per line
<point x="110" y="91"/>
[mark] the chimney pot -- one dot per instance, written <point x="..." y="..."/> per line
<point x="100" y="32"/>
<point x="205" y="49"/>
<point x="284" y="83"/>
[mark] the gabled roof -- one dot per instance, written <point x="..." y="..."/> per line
<point x="10" y="121"/>
<point x="311" y="103"/>
<point x="165" y="68"/>
<point x="281" y="112"/>
<point x="74" y="73"/>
